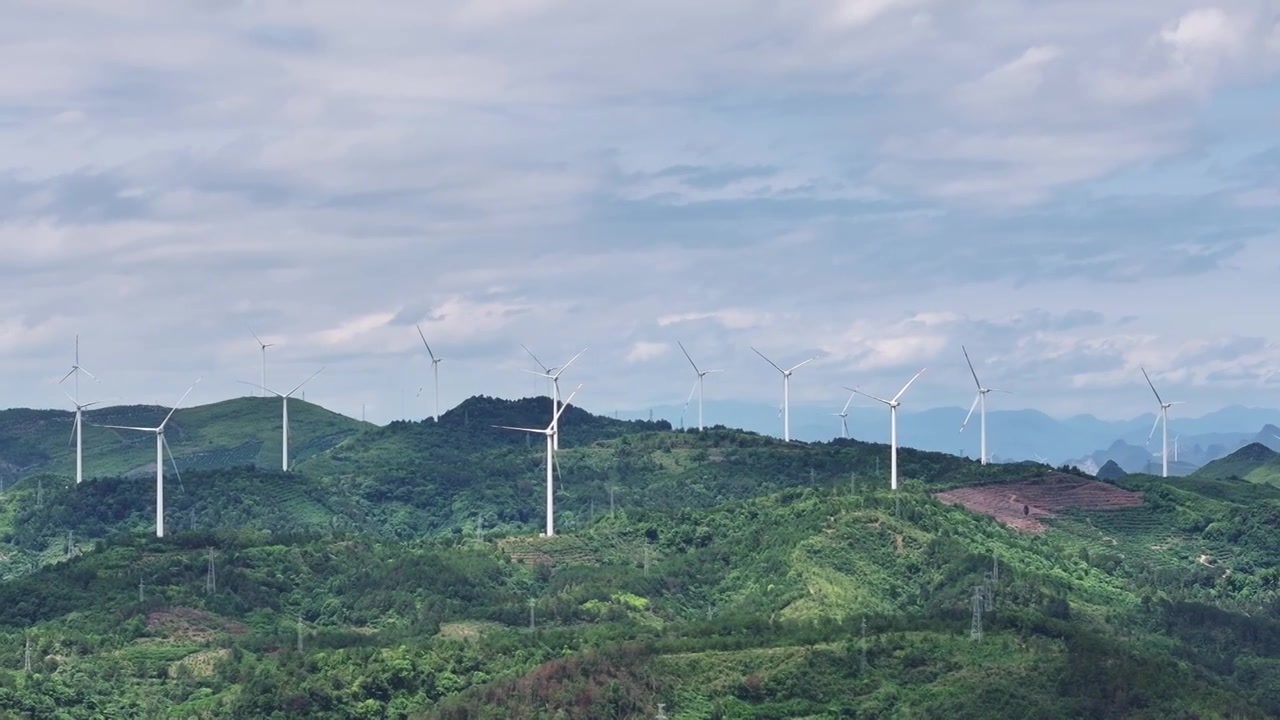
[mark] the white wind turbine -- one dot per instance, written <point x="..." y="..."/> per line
<point x="786" y="392"/>
<point x="979" y="401"/>
<point x="435" y="370"/>
<point x="893" y="426"/>
<point x="552" y="462"/>
<point x="844" y="416"/>
<point x="552" y="374"/>
<point x="161" y="445"/>
<point x="264" y="347"/>
<point x="284" y="422"/>
<point x="77" y="429"/>
<point x="1161" y="419"/>
<point x="702" y="374"/>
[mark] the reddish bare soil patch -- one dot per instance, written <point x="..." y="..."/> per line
<point x="1020" y="505"/>
<point x="190" y="624"/>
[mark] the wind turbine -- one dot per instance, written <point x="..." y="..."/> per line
<point x="161" y="445"/>
<point x="264" y="356"/>
<point x="979" y="400"/>
<point x="552" y="462"/>
<point x="284" y="438"/>
<point x="77" y="429"/>
<point x="893" y="426"/>
<point x="844" y="416"/>
<point x="1161" y="419"/>
<point x="786" y="392"/>
<point x="435" y="370"/>
<point x="702" y="374"/>
<point x="553" y="374"/>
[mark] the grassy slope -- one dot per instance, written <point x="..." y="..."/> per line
<point x="240" y="431"/>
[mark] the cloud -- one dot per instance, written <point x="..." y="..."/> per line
<point x="874" y="181"/>
<point x="643" y="351"/>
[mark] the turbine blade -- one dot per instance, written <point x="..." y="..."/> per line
<point x="806" y="362"/>
<point x="90" y="404"/>
<point x="255" y="337"/>
<point x="70" y="372"/>
<point x="873" y="397"/>
<point x="1006" y="392"/>
<point x="710" y="372"/>
<point x="424" y="342"/>
<point x="686" y="355"/>
<point x="71" y="440"/>
<point x="273" y="392"/>
<point x="177" y="404"/>
<point x="531" y="430"/>
<point x="86" y="372"/>
<point x="774" y="364"/>
<point x="535" y="372"/>
<point x="689" y="399"/>
<point x="1153" y="387"/>
<point x="555" y="459"/>
<point x="304" y="382"/>
<point x="128" y="427"/>
<point x="1154" y="425"/>
<point x="535" y="359"/>
<point x="904" y="387"/>
<point x="565" y="366"/>
<point x="847" y="403"/>
<point x="563" y="405"/>
<point x="165" y="441"/>
<point x="971" y="370"/>
<point x="971" y="409"/>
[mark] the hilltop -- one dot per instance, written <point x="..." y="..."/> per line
<point x="241" y="431"/>
<point x="1255" y="462"/>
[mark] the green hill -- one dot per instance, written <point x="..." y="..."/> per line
<point x="242" y="431"/>
<point x="723" y="574"/>
<point x="752" y="610"/>
<point x="1254" y="462"/>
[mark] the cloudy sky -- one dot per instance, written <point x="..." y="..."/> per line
<point x="1071" y="189"/>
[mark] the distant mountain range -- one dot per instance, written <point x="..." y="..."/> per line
<point x="1012" y="435"/>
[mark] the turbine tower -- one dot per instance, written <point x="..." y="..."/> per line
<point x="162" y="445"/>
<point x="893" y="426"/>
<point x="702" y="374"/>
<point x="552" y="462"/>
<point x="980" y="402"/>
<point x="786" y="392"/>
<point x="553" y="375"/>
<point x="1163" y="420"/>
<point x="284" y="422"/>
<point x="77" y="429"/>
<point x="435" y="370"/>
<point x="264" y="347"/>
<point x="844" y="416"/>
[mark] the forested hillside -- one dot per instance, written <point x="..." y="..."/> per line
<point x="400" y="574"/>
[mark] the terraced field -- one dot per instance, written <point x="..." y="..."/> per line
<point x="1024" y="505"/>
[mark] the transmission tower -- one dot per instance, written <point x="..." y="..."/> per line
<point x="39" y="492"/>
<point x="864" y="645"/>
<point x="975" y="627"/>
<point x="646" y="561"/>
<point x="211" y="577"/>
<point x="26" y="655"/>
<point x="300" y="630"/>
<point x="532" y="604"/>
<point x="662" y="715"/>
<point x="610" y="502"/>
<point x="995" y="568"/>
<point x="71" y="545"/>
<point x="140" y="596"/>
